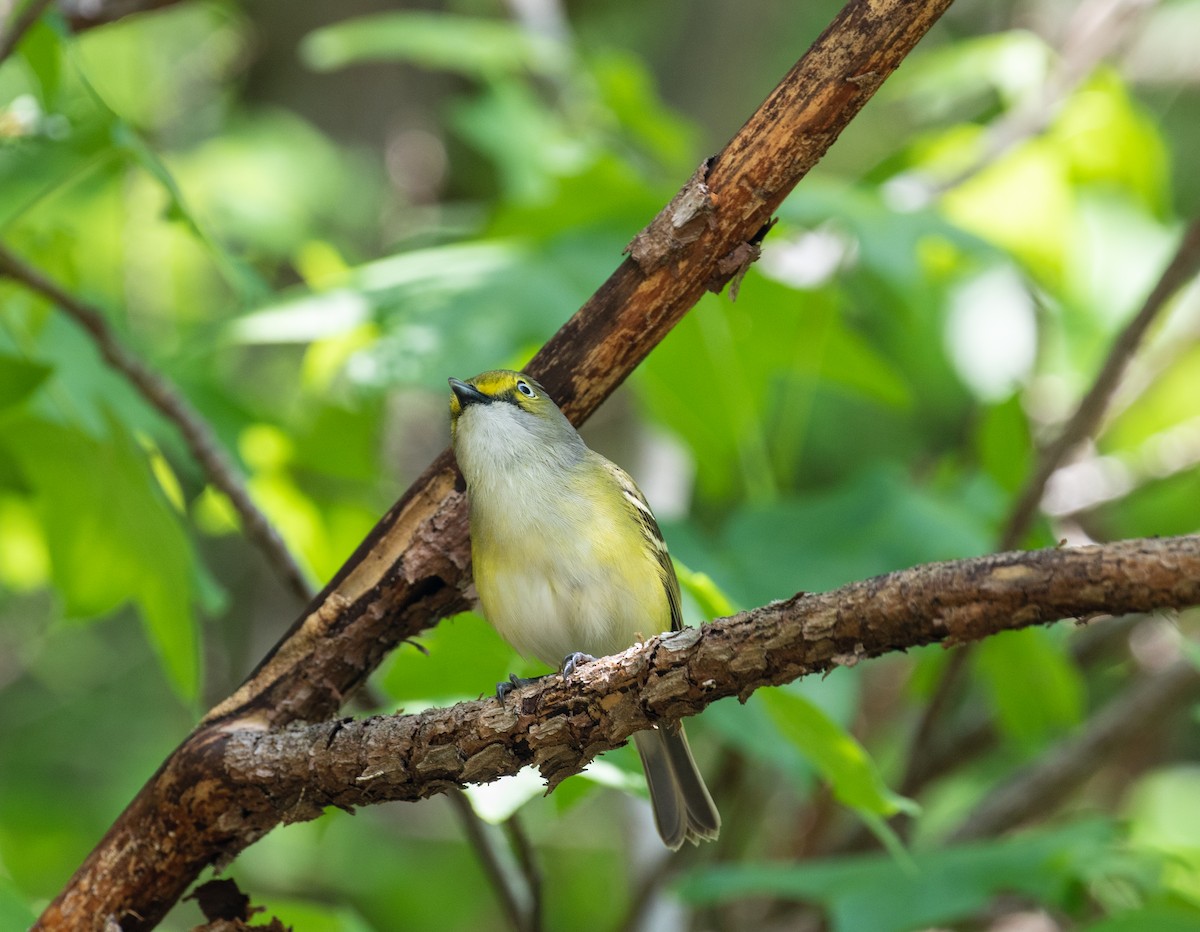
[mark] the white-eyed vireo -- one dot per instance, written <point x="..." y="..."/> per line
<point x="569" y="559"/>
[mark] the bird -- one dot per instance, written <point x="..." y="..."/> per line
<point x="569" y="562"/>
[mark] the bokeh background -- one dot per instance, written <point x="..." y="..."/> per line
<point x="307" y="215"/>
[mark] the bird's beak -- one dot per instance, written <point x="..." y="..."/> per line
<point x="467" y="394"/>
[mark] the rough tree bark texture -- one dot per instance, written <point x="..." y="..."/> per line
<point x="561" y="723"/>
<point x="413" y="568"/>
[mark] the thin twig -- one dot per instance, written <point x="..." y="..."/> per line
<point x="933" y="715"/>
<point x="1183" y="266"/>
<point x="1179" y="271"/>
<point x="1097" y="30"/>
<point x="648" y="884"/>
<point x="527" y="859"/>
<point x="978" y="733"/>
<point x="201" y="442"/>
<point x="1047" y="782"/>
<point x="21" y="23"/>
<point x="477" y="834"/>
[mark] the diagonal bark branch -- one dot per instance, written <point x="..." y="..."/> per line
<point x="413" y="567"/>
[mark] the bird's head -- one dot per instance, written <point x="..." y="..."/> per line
<point x="500" y="386"/>
<point x="504" y="414"/>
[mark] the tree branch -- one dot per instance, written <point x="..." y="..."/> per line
<point x="199" y="438"/>
<point x="88" y="14"/>
<point x="531" y="870"/>
<point x="476" y="831"/>
<point x="413" y="567"/>
<point x="1179" y="271"/>
<point x="1184" y="265"/>
<point x="1048" y="781"/>
<point x="561" y="723"/>
<point x="239" y="782"/>
<point x="20" y="24"/>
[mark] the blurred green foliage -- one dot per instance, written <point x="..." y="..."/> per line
<point x="933" y="301"/>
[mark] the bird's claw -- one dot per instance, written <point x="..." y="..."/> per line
<point x="513" y="682"/>
<point x="573" y="662"/>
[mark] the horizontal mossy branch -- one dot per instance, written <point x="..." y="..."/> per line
<point x="561" y="723"/>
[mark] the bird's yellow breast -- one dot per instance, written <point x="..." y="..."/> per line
<point x="571" y="574"/>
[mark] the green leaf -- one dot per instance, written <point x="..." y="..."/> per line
<point x="528" y="142"/>
<point x="240" y="275"/>
<point x="114" y="538"/>
<point x="937" y="888"/>
<point x="1161" y="507"/>
<point x="32" y="167"/>
<point x="1003" y="444"/>
<point x="1164" y="817"/>
<point x="1168" y="403"/>
<point x="834" y="752"/>
<point x="20" y="378"/>
<point x="15" y="910"/>
<point x="1159" y="918"/>
<point x="463" y="657"/>
<point x="750" y="729"/>
<point x="42" y="50"/>
<point x="873" y="522"/>
<point x="1036" y="690"/>
<point x="703" y="588"/>
<point x="436" y="309"/>
<point x="778" y="356"/>
<point x="464" y="45"/>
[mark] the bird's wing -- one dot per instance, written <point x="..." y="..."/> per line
<point x="653" y="536"/>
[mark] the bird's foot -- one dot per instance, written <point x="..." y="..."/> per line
<point x="513" y="682"/>
<point x="573" y="662"/>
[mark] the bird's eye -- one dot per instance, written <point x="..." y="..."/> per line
<point x="524" y="389"/>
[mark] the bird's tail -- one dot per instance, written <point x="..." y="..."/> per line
<point x="683" y="810"/>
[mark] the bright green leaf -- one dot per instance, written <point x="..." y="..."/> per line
<point x="42" y="50"/>
<point x="1003" y="444"/>
<point x="1037" y="691"/>
<point x="113" y="538"/>
<point x="24" y="559"/>
<point x="708" y="595"/>
<point x="884" y="895"/>
<point x="834" y="752"/>
<point x="1156" y="918"/>
<point x="464" y="45"/>
<point x="20" y="378"/>
<point x="1164" y="816"/>
<point x="15" y="910"/>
